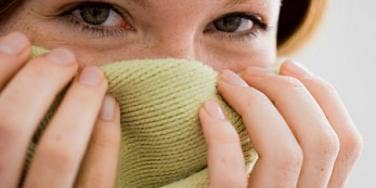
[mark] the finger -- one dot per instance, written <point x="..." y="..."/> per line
<point x="334" y="109"/>
<point x="280" y="156"/>
<point x="15" y="49"/>
<point x="100" y="162"/>
<point x="23" y="104"/>
<point x="225" y="158"/>
<point x="317" y="138"/>
<point x="63" y="144"/>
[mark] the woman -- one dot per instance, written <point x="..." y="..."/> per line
<point x="313" y="143"/>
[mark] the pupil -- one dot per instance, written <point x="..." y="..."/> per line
<point x="228" y="24"/>
<point x="95" y="14"/>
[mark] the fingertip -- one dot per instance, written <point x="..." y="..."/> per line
<point x="117" y="111"/>
<point x="217" y="131"/>
<point x="211" y="113"/>
<point x="91" y="76"/>
<point x="100" y="163"/>
<point x="293" y="68"/>
<point x="15" y="47"/>
<point x="15" y="43"/>
<point x="109" y="123"/>
<point x="109" y="109"/>
<point x="214" y="110"/>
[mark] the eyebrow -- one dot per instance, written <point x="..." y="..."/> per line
<point x="141" y="3"/>
<point x="230" y="3"/>
<point x="235" y="2"/>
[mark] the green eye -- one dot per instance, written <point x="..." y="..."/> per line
<point x="98" y="14"/>
<point x="95" y="14"/>
<point x="233" y="23"/>
<point x="237" y="23"/>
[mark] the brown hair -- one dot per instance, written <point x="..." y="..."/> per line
<point x="298" y="21"/>
<point x="8" y="6"/>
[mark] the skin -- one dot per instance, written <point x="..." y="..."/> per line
<point x="302" y="131"/>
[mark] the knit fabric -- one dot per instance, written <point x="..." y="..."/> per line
<point x="162" y="142"/>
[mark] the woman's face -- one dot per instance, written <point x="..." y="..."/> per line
<point x="230" y="34"/>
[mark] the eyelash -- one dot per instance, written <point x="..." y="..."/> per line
<point x="100" y="31"/>
<point x="259" y="25"/>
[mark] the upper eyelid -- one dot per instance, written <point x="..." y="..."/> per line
<point x="118" y="9"/>
<point x="71" y="7"/>
<point x="259" y="24"/>
<point x="255" y="18"/>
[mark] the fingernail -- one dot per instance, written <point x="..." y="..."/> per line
<point x="296" y="69"/>
<point x="231" y="78"/>
<point x="91" y="75"/>
<point x="107" y="112"/>
<point x="61" y="56"/>
<point x="13" y="43"/>
<point x="214" y="110"/>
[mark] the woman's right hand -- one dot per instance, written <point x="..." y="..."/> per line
<point x="27" y="89"/>
<point x="297" y="123"/>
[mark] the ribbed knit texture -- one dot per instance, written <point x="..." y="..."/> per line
<point x="162" y="142"/>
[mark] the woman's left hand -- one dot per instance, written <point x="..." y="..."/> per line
<point x="297" y="122"/>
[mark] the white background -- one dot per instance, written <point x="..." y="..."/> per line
<point x="344" y="53"/>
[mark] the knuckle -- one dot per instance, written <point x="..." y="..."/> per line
<point x="230" y="181"/>
<point x="328" y="146"/>
<point x="325" y="84"/>
<point x="292" y="83"/>
<point x="321" y="84"/>
<point x="108" y="141"/>
<point x="352" y="145"/>
<point x="235" y="182"/>
<point x="58" y="158"/>
<point x="97" y="179"/>
<point x="41" y="67"/>
<point x="8" y="129"/>
<point x="7" y="133"/>
<point x="290" y="160"/>
<point x="253" y="97"/>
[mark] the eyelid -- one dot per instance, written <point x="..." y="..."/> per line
<point x="69" y="8"/>
<point x="255" y="18"/>
<point x="66" y="16"/>
<point x="245" y="36"/>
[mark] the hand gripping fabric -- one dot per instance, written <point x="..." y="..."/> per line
<point x="162" y="142"/>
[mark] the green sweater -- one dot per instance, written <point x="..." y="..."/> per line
<point x="162" y="142"/>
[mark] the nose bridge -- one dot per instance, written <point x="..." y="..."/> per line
<point x="175" y="45"/>
<point x="172" y="33"/>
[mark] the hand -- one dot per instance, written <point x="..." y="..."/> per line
<point x="297" y="122"/>
<point x="27" y="91"/>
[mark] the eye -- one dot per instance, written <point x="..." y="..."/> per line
<point x="98" y="19"/>
<point x="237" y="23"/>
<point x="98" y="14"/>
<point x="233" y="23"/>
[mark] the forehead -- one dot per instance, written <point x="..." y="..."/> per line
<point x="229" y="3"/>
